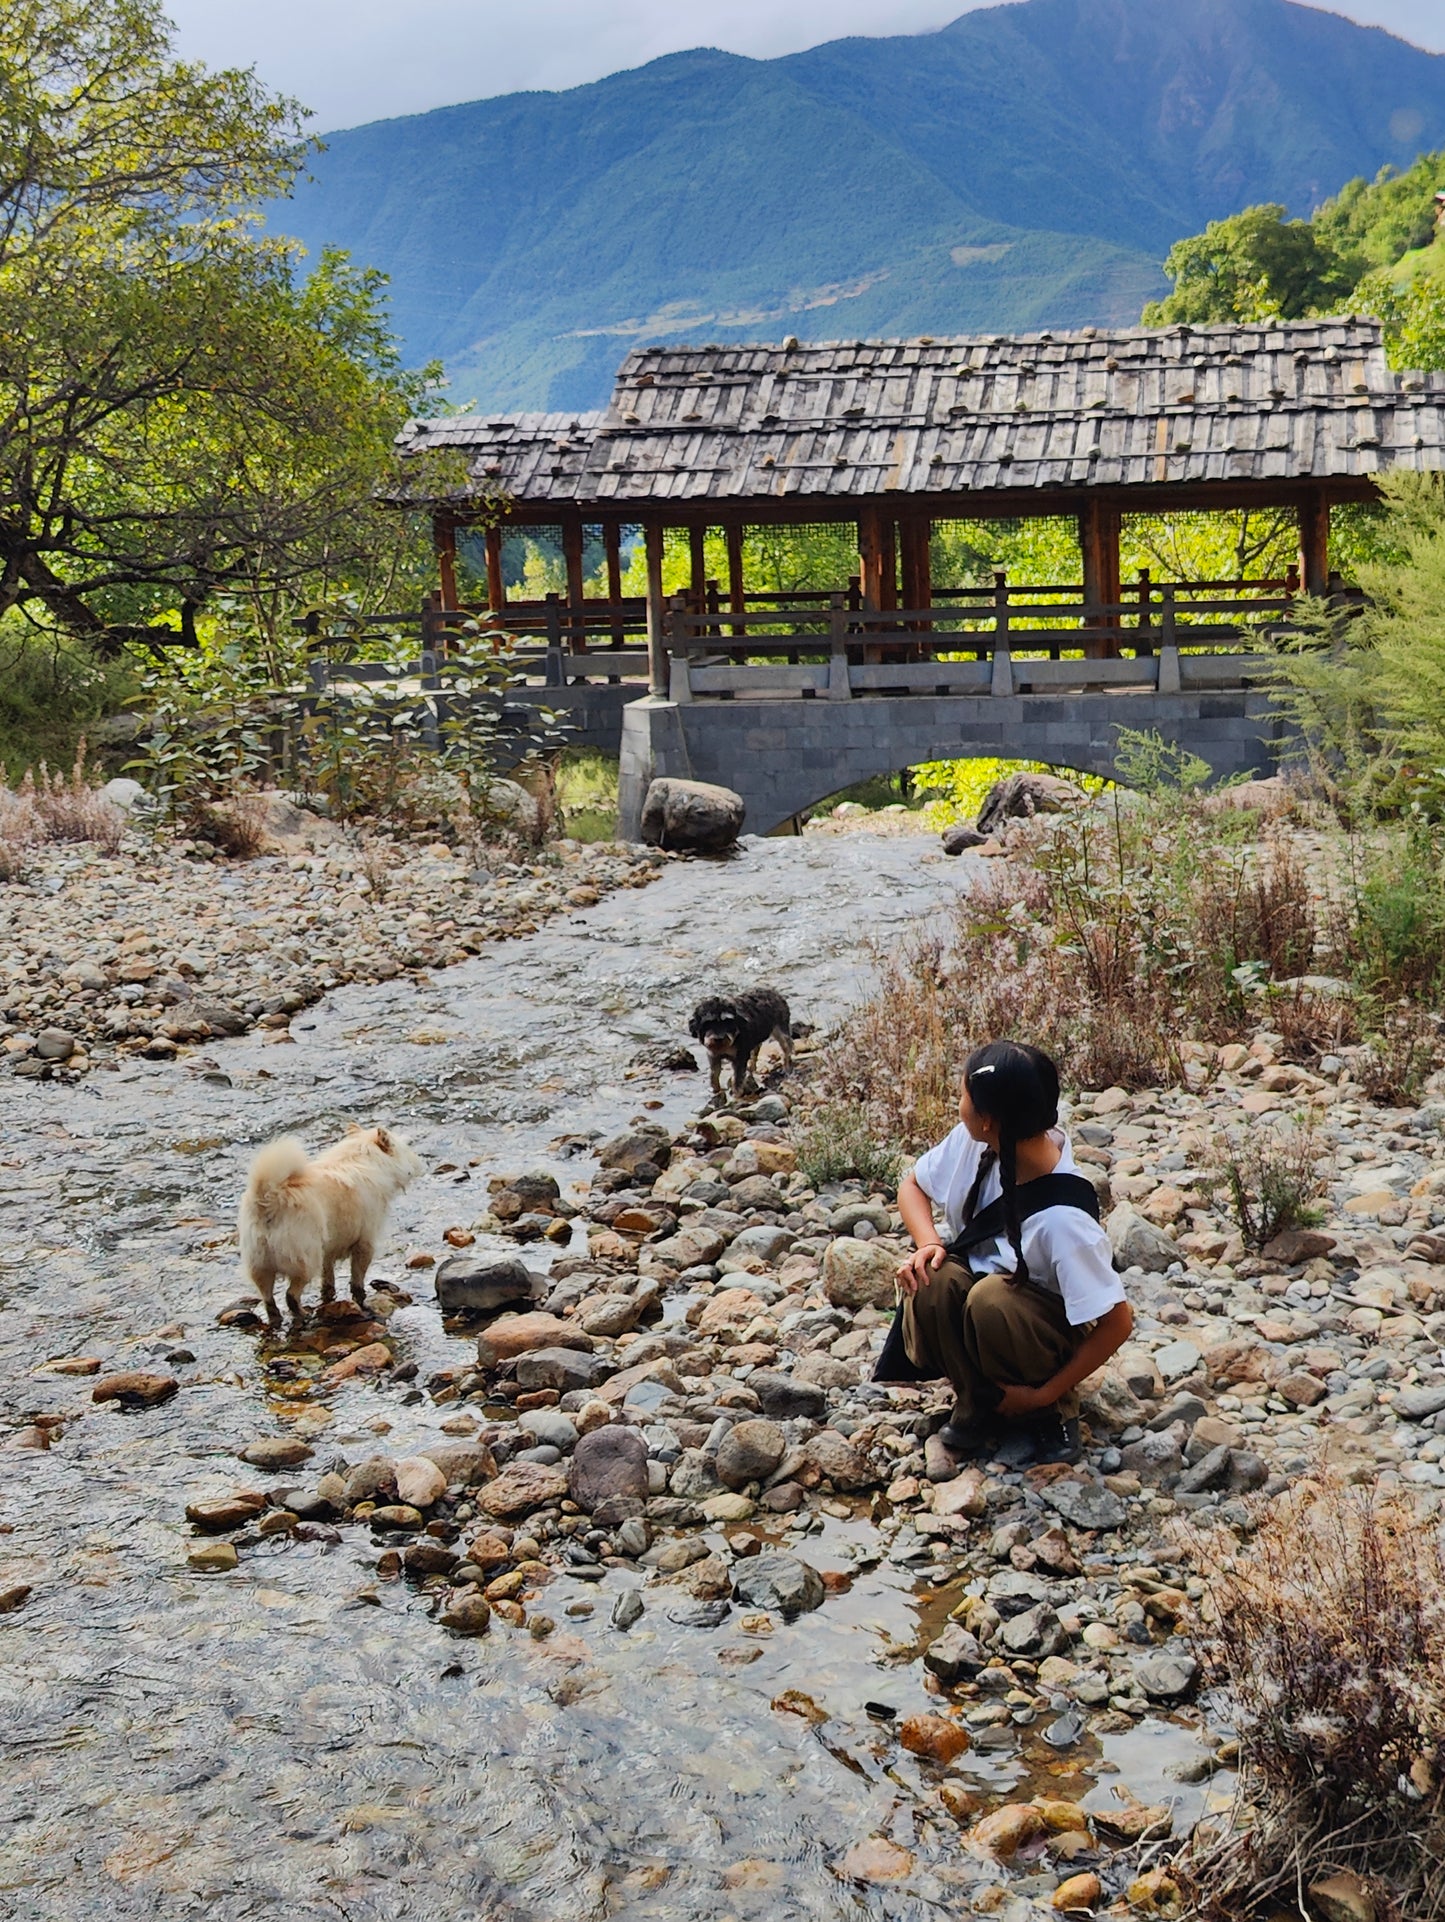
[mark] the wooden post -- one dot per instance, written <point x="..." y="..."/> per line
<point x="697" y="544"/>
<point x="1099" y="541"/>
<point x="878" y="554"/>
<point x="612" y="548"/>
<point x="656" y="613"/>
<point x="737" y="592"/>
<point x="1314" y="542"/>
<point x="496" y="584"/>
<point x="444" y="534"/>
<point x="576" y="591"/>
<point x="916" y="543"/>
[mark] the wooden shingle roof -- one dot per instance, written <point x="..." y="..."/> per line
<point x="843" y="422"/>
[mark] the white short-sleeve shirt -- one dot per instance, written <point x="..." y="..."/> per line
<point x="1067" y="1251"/>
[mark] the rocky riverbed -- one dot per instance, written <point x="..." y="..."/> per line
<point x="588" y="1573"/>
<point x="159" y="944"/>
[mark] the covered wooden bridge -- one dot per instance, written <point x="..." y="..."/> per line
<point x="892" y="438"/>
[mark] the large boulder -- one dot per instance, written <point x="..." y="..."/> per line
<point x="749" y="1452"/>
<point x="1019" y="796"/>
<point x="695" y="815"/>
<point x="860" y="1274"/>
<point x="483" y="1285"/>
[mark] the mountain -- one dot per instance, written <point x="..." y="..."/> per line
<point x="1027" y="166"/>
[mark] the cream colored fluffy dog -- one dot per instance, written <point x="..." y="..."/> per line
<point x="299" y="1216"/>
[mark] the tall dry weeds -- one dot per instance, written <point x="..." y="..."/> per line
<point x="1327" y="1634"/>
<point x="69" y="807"/>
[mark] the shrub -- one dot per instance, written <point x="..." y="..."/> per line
<point x="1400" y="1053"/>
<point x="235" y="827"/>
<point x="1268" y="1178"/>
<point x="838" y="1142"/>
<point x="1328" y="1634"/>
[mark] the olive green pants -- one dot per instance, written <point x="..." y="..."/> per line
<point x="985" y="1333"/>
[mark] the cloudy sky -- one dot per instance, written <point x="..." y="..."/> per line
<point x="357" y="60"/>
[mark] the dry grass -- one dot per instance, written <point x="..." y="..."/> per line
<point x="235" y="827"/>
<point x="68" y="807"/>
<point x="1328" y="1634"/>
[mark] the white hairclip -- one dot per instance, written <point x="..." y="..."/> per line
<point x="991" y="1068"/>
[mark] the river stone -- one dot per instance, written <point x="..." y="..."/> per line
<point x="565" y="1369"/>
<point x="781" y="1583"/>
<point x="1038" y="1631"/>
<point x="466" y="1613"/>
<point x="627" y="1609"/>
<point x="1343" y="1897"/>
<point x="465" y="1464"/>
<point x="277" y="1451"/>
<point x="838" y="1461"/>
<point x="693" y="1247"/>
<point x="960" y="838"/>
<point x="1153" y="1458"/>
<point x="955" y="1655"/>
<point x="1019" y="796"/>
<point x="483" y="1285"/>
<point x="700" y="1614"/>
<point x="607" y="1463"/>
<point x="1167" y="1678"/>
<point x="1137" y="1243"/>
<point x="859" y="1274"/>
<point x="136" y="1389"/>
<point x="1176" y="1359"/>
<point x="549" y="1425"/>
<point x="419" y="1481"/>
<point x="429" y="1557"/>
<point x="693" y="1475"/>
<point x="750" y="1452"/>
<point x="783" y="1397"/>
<point x="523" y="1486"/>
<point x="55" y="1044"/>
<point x="226" y="1511"/>
<point x="515" y="1334"/>
<point x="1419" y="1404"/>
<point x="214" y="1557"/>
<point x="698" y="816"/>
<point x="765" y="1240"/>
<point x="1086" y="1504"/>
<point x="370" y="1481"/>
<point x="639" y="1146"/>
<point x="1210" y="1471"/>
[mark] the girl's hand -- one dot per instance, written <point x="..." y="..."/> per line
<point x="1017" y="1400"/>
<point x="917" y="1271"/>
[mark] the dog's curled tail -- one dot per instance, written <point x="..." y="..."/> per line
<point x="272" y="1172"/>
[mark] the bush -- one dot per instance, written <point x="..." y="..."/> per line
<point x="53" y="689"/>
<point x="1328" y="1633"/>
<point x="1268" y="1178"/>
<point x="838" y="1142"/>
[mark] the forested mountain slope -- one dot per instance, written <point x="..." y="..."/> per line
<point x="1028" y="165"/>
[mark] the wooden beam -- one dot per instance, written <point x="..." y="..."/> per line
<point x="737" y="594"/>
<point x="878" y="554"/>
<point x="576" y="590"/>
<point x="496" y="582"/>
<point x="444" y="534"/>
<point x="1099" y="541"/>
<point x="1314" y="542"/>
<point x="656" y="612"/>
<point x="697" y="543"/>
<point x="612" y="548"/>
<point x="916" y="542"/>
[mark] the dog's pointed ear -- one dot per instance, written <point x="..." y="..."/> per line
<point x="383" y="1141"/>
<point x="353" y="1127"/>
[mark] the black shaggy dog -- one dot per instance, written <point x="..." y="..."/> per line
<point x="732" y="1028"/>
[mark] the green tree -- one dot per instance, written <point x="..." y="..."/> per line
<point x="181" y="411"/>
<point x="1256" y="265"/>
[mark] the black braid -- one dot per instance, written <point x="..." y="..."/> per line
<point x="986" y="1162"/>
<point x="1008" y="1180"/>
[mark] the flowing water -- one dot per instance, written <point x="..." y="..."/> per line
<point x="296" y="1738"/>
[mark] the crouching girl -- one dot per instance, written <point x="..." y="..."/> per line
<point x="1015" y="1299"/>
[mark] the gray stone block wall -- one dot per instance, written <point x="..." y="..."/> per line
<point x="785" y="756"/>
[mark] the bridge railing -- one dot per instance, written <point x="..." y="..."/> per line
<point x="1167" y="636"/>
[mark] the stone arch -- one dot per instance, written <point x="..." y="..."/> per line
<point x="784" y="756"/>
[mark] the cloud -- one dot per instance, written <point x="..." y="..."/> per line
<point x="357" y="60"/>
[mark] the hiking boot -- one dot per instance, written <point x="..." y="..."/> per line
<point x="1057" y="1439"/>
<point x="1018" y="1447"/>
<point x="968" y="1441"/>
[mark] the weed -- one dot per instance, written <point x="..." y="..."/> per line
<point x="838" y="1142"/>
<point x="1267" y="1176"/>
<point x="68" y="807"/>
<point x="234" y="827"/>
<point x="1328" y="1633"/>
<point x="1401" y="1051"/>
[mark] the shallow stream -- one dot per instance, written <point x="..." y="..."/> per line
<point x="296" y="1738"/>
